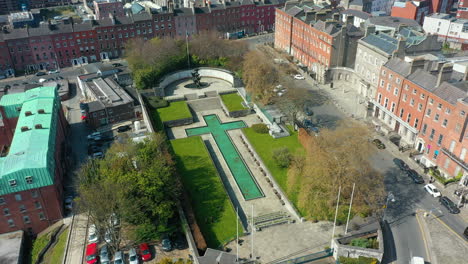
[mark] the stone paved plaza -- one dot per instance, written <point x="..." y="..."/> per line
<point x="178" y="87"/>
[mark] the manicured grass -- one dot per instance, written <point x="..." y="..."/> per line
<point x="265" y="144"/>
<point x="38" y="245"/>
<point x="55" y="254"/>
<point x="214" y="212"/>
<point x="233" y="102"/>
<point x="175" y="111"/>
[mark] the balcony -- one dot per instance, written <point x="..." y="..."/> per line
<point x="460" y="162"/>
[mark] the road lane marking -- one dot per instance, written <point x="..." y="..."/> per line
<point x="424" y="237"/>
<point x="449" y="228"/>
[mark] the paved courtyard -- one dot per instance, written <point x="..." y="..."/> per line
<point x="178" y="87"/>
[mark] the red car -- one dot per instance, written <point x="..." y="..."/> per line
<point x="145" y="252"/>
<point x="92" y="253"/>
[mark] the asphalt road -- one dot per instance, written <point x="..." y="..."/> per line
<point x="259" y="39"/>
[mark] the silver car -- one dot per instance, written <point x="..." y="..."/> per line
<point x="132" y="256"/>
<point x="104" y="255"/>
<point x="119" y="258"/>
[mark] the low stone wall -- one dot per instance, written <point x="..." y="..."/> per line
<point x="203" y="71"/>
<point x="179" y="122"/>
<point x="342" y="74"/>
<point x="146" y="116"/>
<point x="340" y="250"/>
<point x="238" y="113"/>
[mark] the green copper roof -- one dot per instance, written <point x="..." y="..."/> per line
<point x="31" y="152"/>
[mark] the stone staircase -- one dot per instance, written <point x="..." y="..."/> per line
<point x="271" y="219"/>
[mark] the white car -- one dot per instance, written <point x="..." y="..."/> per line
<point x="42" y="80"/>
<point x="53" y="71"/>
<point x="93" y="234"/>
<point x="432" y="190"/>
<point x="132" y="256"/>
<point x="299" y="77"/>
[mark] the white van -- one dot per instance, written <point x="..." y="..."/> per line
<point x="417" y="260"/>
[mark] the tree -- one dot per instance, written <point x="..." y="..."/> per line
<point x="135" y="183"/>
<point x="336" y="158"/>
<point x="282" y="157"/>
<point x="260" y="77"/>
<point x="293" y="101"/>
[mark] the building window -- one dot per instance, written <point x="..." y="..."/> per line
<point x="444" y="124"/>
<point x="22" y="208"/>
<point x="405" y="96"/>
<point x="447" y="111"/>
<point x="2" y="200"/>
<point x="412" y="102"/>
<point x="29" y="179"/>
<point x="424" y="128"/>
<point x="389" y="86"/>
<point x="386" y="102"/>
<point x="436" y="153"/>
<point x="439" y="106"/>
<point x="41" y="216"/>
<point x="431" y="136"/>
<point x="12" y="183"/>
<point x="26" y="219"/>
<point x="428" y="112"/>
<point x="414" y="91"/>
<point x="416" y="121"/>
<point x="6" y="211"/>
<point x="447" y="163"/>
<point x="439" y="141"/>
<point x="18" y="197"/>
<point x="462" y="113"/>
<point x="393" y="107"/>
<point x="408" y="119"/>
<point x="431" y="101"/>
<point x="382" y="83"/>
<point x="34" y="194"/>
<point x="37" y="205"/>
<point x="423" y="96"/>
<point x="397" y="80"/>
<point x="380" y="98"/>
<point x="396" y="91"/>
<point x="11" y="223"/>
<point x="390" y="76"/>
<point x="401" y="113"/>
<point x="406" y="87"/>
<point x="420" y="107"/>
<point x="436" y="117"/>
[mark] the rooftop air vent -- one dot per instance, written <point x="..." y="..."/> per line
<point x="38" y="126"/>
<point x="24" y="128"/>
<point x="41" y="111"/>
<point x="28" y="113"/>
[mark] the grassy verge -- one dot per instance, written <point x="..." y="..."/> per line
<point x="55" y="254"/>
<point x="233" y="102"/>
<point x="214" y="212"/>
<point x="38" y="245"/>
<point x="265" y="144"/>
<point x="175" y="111"/>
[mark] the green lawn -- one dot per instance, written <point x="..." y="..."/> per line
<point x="233" y="102"/>
<point x="175" y="111"/>
<point x="38" y="245"/>
<point x="213" y="210"/>
<point x="55" y="254"/>
<point x="264" y="145"/>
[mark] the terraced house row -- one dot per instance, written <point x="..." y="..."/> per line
<point x="65" y="43"/>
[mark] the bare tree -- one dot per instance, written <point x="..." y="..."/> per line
<point x="260" y="77"/>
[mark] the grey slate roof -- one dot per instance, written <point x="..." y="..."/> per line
<point x="215" y="256"/>
<point x="451" y="92"/>
<point x="393" y="22"/>
<point x="399" y="66"/>
<point x="356" y="13"/>
<point x="184" y="11"/>
<point x="382" y="42"/>
<point x="424" y="79"/>
<point x="294" y="11"/>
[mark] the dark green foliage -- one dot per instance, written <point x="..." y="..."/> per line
<point x="282" y="157"/>
<point x="260" y="128"/>
<point x="365" y="243"/>
<point x="157" y="102"/>
<point x="360" y="260"/>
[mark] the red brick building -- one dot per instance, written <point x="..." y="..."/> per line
<point x="32" y="172"/>
<point x="416" y="10"/>
<point x="424" y="102"/>
<point x="462" y="9"/>
<point x="316" y="39"/>
<point x="108" y="8"/>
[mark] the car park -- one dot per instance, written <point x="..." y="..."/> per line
<point x="415" y="176"/>
<point x="432" y="190"/>
<point x="451" y="206"/>
<point x="40" y="73"/>
<point x="119" y="258"/>
<point x="91" y="253"/>
<point x="166" y="244"/>
<point x="93" y="236"/>
<point x="145" y="252"/>
<point x="299" y="77"/>
<point x="401" y="164"/>
<point x="132" y="256"/>
<point x="378" y="143"/>
<point x="104" y="255"/>
<point x="121" y="129"/>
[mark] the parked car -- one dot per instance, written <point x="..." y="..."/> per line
<point x="104" y="255"/>
<point x="92" y="253"/>
<point x="121" y="129"/>
<point x="40" y="73"/>
<point x="54" y="71"/>
<point x="119" y="258"/>
<point x="466" y="233"/>
<point x="166" y="244"/>
<point x="69" y="202"/>
<point x="432" y="190"/>
<point x="93" y="135"/>
<point x="145" y="252"/>
<point x="415" y="176"/>
<point x="401" y="164"/>
<point x="451" y="206"/>
<point x="114" y="220"/>
<point x="417" y="260"/>
<point x="42" y="80"/>
<point x="117" y="64"/>
<point x="98" y="155"/>
<point x="59" y="78"/>
<point x="93" y="236"/>
<point x="299" y="77"/>
<point x="180" y="242"/>
<point x="107" y="236"/>
<point x="132" y="256"/>
<point x="378" y="143"/>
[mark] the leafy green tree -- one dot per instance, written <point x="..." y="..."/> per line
<point x="282" y="157"/>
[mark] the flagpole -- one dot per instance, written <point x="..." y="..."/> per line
<point x="237" y="234"/>
<point x="253" y="229"/>
<point x="349" y="211"/>
<point x="336" y="213"/>
<point x="188" y="54"/>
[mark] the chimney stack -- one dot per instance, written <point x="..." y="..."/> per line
<point x="444" y="73"/>
<point x="336" y="17"/>
<point x="320" y="16"/>
<point x="310" y="16"/>
<point x="350" y="19"/>
<point x="27" y="113"/>
<point x="369" y="30"/>
<point x="41" y="111"/>
<point x="38" y="126"/>
<point x="400" y="51"/>
<point x="24" y="128"/>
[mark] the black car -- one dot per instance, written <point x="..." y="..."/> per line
<point x="121" y="129"/>
<point x="40" y="73"/>
<point x="117" y="64"/>
<point x="401" y="164"/>
<point x="180" y="242"/>
<point x="466" y="233"/>
<point x="378" y="144"/>
<point x="415" y="176"/>
<point x="451" y="206"/>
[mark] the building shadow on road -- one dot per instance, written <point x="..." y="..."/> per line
<point x="389" y="255"/>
